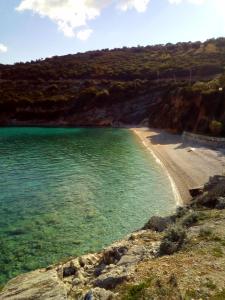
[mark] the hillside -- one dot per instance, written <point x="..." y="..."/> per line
<point x="177" y="257"/>
<point x="177" y="87"/>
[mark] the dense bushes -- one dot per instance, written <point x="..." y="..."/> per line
<point x="182" y="80"/>
<point x="190" y="219"/>
<point x="172" y="241"/>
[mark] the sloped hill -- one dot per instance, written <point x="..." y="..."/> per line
<point x="119" y="86"/>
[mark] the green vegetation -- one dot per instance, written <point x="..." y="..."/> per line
<point x="206" y="233"/>
<point x="136" y="292"/>
<point x="219" y="296"/>
<point x="217" y="251"/>
<point x="216" y="127"/>
<point x="173" y="241"/>
<point x="186" y="78"/>
<point x="190" y="219"/>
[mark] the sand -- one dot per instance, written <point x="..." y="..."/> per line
<point x="187" y="165"/>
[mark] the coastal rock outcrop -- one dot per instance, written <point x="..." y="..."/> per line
<point x="90" y="276"/>
<point x="182" y="259"/>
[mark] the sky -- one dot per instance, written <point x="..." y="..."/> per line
<point x="34" y="29"/>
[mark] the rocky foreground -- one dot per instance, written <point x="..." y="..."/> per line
<point x="178" y="257"/>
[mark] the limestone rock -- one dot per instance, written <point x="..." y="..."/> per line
<point x="99" y="294"/>
<point x="158" y="223"/>
<point x="40" y="284"/>
<point x="111" y="279"/>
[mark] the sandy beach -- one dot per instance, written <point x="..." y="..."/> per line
<point x="187" y="165"/>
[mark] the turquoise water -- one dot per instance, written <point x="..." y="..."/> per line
<point x="64" y="192"/>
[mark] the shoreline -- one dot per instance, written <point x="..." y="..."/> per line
<point x="187" y="167"/>
<point x="177" y="195"/>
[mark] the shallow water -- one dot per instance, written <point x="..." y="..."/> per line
<point x="64" y="192"/>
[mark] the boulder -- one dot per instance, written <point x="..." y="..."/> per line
<point x="113" y="255"/>
<point x="158" y="223"/>
<point x="197" y="191"/>
<point x="69" y="271"/>
<point x="111" y="279"/>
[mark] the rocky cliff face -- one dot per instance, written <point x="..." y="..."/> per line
<point x="185" y="109"/>
<point x="172" y="86"/>
<point x="169" y="106"/>
<point x="177" y="257"/>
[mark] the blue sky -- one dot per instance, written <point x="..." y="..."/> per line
<point x="32" y="29"/>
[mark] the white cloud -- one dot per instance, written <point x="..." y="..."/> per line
<point x="139" y="5"/>
<point x="3" y="48"/>
<point x="68" y="14"/>
<point x="72" y="15"/>
<point x="84" y="34"/>
<point x="190" y="1"/>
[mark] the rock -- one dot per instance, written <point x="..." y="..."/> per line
<point x="88" y="260"/>
<point x="111" y="279"/>
<point x="99" y="294"/>
<point x="135" y="254"/>
<point x="214" y="181"/>
<point x="76" y="281"/>
<point x="158" y="223"/>
<point x="99" y="269"/>
<point x="113" y="255"/>
<point x="128" y="260"/>
<point x="38" y="285"/>
<point x="89" y="296"/>
<point x="69" y="271"/>
<point x="220" y="203"/>
<point x="197" y="191"/>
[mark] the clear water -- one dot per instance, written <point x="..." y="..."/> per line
<point x="64" y="192"/>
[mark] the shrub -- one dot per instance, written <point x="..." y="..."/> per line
<point x="219" y="296"/>
<point x="205" y="232"/>
<point x="172" y="241"/>
<point x="135" y="291"/>
<point x="190" y="219"/>
<point x="181" y="211"/>
<point x="216" y="127"/>
<point x="220" y="203"/>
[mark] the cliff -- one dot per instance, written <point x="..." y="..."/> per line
<point x="178" y="257"/>
<point x="178" y="87"/>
